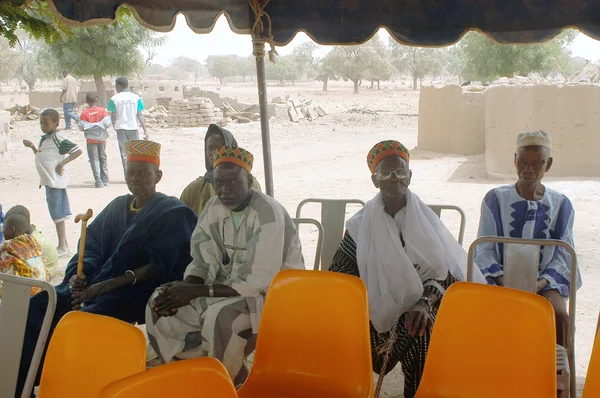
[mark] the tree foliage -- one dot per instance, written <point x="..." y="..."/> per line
<point x="9" y="60"/>
<point x="221" y="66"/>
<point x="284" y="69"/>
<point x="182" y="67"/>
<point x="417" y="62"/>
<point x="100" y="51"/>
<point x="367" y="61"/>
<point x="35" y="18"/>
<point x="483" y="59"/>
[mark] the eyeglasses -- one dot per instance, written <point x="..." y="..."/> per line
<point x="225" y="260"/>
<point x="535" y="165"/>
<point x="401" y="174"/>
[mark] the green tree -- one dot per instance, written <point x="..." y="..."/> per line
<point x="381" y="67"/>
<point x="485" y="60"/>
<point x="312" y="66"/>
<point x="33" y="61"/>
<point x="34" y="17"/>
<point x="284" y="69"/>
<point x="245" y="66"/>
<point x="150" y="45"/>
<point x="100" y="51"/>
<point x="155" y="69"/>
<point x="221" y="66"/>
<point x="356" y="62"/>
<point x="182" y="67"/>
<point x="9" y="60"/>
<point x="417" y="62"/>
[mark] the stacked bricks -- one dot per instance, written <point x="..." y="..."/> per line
<point x="193" y="112"/>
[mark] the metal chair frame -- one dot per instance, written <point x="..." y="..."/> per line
<point x="572" y="290"/>
<point x="16" y="292"/>
<point x="333" y="217"/>
<point x="311" y="221"/>
<point x="437" y="209"/>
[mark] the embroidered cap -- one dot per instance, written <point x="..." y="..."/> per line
<point x="237" y="156"/>
<point x="384" y="149"/>
<point x="142" y="151"/>
<point x="534" y="138"/>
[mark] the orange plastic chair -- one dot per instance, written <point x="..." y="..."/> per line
<point x="592" y="380"/>
<point x="204" y="377"/>
<point x="89" y="351"/>
<point x="313" y="339"/>
<point x="491" y="342"/>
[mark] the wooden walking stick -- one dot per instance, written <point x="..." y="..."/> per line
<point x="84" y="220"/>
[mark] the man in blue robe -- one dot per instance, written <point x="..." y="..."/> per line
<point x="530" y="210"/>
<point x="137" y="243"/>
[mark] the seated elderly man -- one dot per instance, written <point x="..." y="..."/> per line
<point x="243" y="238"/>
<point x="137" y="243"/>
<point x="407" y="259"/>
<point x="528" y="209"/>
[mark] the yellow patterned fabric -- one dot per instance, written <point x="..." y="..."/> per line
<point x="237" y="156"/>
<point x="384" y="149"/>
<point x="23" y="256"/>
<point x="143" y="151"/>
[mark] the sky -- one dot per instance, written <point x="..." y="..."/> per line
<point x="221" y="41"/>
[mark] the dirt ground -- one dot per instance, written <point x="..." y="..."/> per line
<point x="324" y="159"/>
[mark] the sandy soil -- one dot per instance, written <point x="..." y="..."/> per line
<point x="326" y="159"/>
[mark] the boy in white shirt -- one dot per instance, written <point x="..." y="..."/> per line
<point x="50" y="161"/>
<point x="125" y="110"/>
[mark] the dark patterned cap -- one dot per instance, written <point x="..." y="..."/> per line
<point x="384" y="149"/>
<point x="237" y="156"/>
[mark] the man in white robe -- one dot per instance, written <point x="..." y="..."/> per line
<point x="242" y="240"/>
<point x="528" y="209"/>
<point x="407" y="259"/>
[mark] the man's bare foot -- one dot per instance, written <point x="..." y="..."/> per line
<point x="63" y="251"/>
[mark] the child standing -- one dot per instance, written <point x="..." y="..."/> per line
<point x="50" y="162"/>
<point x="95" y="121"/>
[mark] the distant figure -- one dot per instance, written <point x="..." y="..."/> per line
<point x="95" y="121"/>
<point x="197" y="194"/>
<point x="21" y="255"/>
<point x="50" y="253"/>
<point x="50" y="162"/>
<point x="69" y="97"/>
<point x="126" y="114"/>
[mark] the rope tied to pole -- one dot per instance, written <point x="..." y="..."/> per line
<point x="258" y="30"/>
<point x="385" y="349"/>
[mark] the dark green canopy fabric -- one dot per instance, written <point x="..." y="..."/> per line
<point x="416" y="22"/>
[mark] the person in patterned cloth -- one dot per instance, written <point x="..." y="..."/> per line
<point x="407" y="259"/>
<point x="243" y="238"/>
<point x="528" y="209"/>
<point x="21" y="255"/>
<point x="134" y="245"/>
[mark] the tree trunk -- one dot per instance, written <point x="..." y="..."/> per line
<point x="220" y="80"/>
<point x="355" y="85"/>
<point x="31" y="84"/>
<point x="372" y="84"/>
<point x="293" y="83"/>
<point x="415" y="82"/>
<point x="378" y="85"/>
<point x="101" y="89"/>
<point x="325" y="82"/>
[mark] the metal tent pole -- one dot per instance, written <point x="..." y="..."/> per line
<point x="259" y="53"/>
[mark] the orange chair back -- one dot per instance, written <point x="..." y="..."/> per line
<point x="592" y="380"/>
<point x="204" y="377"/>
<point x="491" y="342"/>
<point x="89" y="351"/>
<point x="313" y="339"/>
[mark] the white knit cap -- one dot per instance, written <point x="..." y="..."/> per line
<point x="534" y="138"/>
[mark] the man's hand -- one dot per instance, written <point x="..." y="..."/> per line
<point x="172" y="296"/>
<point x="28" y="144"/>
<point x="541" y="284"/>
<point x="77" y="284"/>
<point x="60" y="169"/>
<point x="146" y="135"/>
<point x="418" y="319"/>
<point x="499" y="280"/>
<point x="79" y="299"/>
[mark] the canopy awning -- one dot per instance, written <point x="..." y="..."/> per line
<point x="415" y="22"/>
